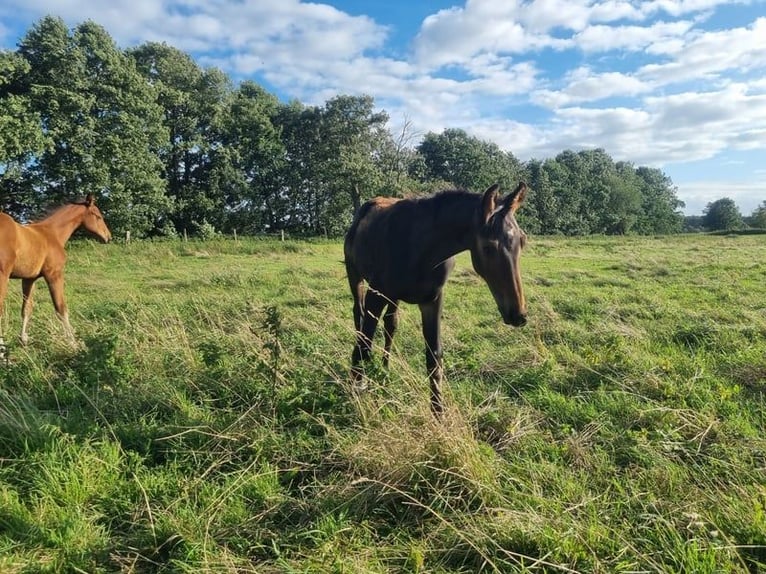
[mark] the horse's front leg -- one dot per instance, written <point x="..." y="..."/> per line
<point x="27" y="287"/>
<point x="56" y="288"/>
<point x="431" y="313"/>
<point x="4" y="278"/>
<point x="371" y="310"/>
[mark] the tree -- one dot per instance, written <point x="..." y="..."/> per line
<point x="660" y="206"/>
<point x="353" y="136"/>
<point x="624" y="204"/>
<point x="722" y="214"/>
<point x="468" y="162"/>
<point x="249" y="166"/>
<point x="396" y="159"/>
<point x="331" y="160"/>
<point x="101" y="120"/>
<point x="192" y="101"/>
<point x="22" y="137"/>
<point x="758" y="217"/>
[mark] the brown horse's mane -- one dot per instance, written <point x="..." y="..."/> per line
<point x="50" y="209"/>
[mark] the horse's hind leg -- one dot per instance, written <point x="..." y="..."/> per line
<point x="431" y="316"/>
<point x="390" y="323"/>
<point x="56" y="288"/>
<point x="27" y="286"/>
<point x="372" y="308"/>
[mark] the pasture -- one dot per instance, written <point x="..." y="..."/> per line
<point x="206" y="422"/>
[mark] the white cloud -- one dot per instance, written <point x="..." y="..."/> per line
<point x="709" y="53"/>
<point x="585" y="86"/>
<point x="704" y="124"/>
<point x="663" y="130"/>
<point x="457" y="35"/>
<point x="657" y="38"/>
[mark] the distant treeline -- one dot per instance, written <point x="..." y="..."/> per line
<point x="171" y="147"/>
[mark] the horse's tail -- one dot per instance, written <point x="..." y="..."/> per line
<point x="355" y="279"/>
<point x="359" y="214"/>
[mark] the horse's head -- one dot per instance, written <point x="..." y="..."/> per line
<point x="93" y="221"/>
<point x="496" y="249"/>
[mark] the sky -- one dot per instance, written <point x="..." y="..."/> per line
<point x="675" y="84"/>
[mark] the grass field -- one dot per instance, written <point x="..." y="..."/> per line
<point x="205" y="422"/>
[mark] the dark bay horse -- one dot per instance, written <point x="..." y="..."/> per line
<point x="28" y="252"/>
<point x="405" y="248"/>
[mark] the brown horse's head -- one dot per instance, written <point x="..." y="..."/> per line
<point x="496" y="249"/>
<point x="93" y="221"/>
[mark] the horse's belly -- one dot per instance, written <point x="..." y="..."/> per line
<point x="27" y="266"/>
<point x="410" y="289"/>
<point x="25" y="272"/>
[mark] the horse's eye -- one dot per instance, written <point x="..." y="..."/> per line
<point x="488" y="250"/>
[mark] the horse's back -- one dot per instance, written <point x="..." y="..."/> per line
<point x="379" y="245"/>
<point x="369" y="233"/>
<point x="9" y="238"/>
<point x="8" y="228"/>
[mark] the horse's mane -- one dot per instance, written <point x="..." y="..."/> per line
<point x="51" y="208"/>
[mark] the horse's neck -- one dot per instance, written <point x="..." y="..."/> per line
<point x="453" y="225"/>
<point x="63" y="222"/>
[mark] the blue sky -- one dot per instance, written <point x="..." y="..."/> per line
<point x="674" y="84"/>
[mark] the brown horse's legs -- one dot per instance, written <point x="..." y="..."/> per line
<point x="4" y="277"/>
<point x="373" y="307"/>
<point x="56" y="287"/>
<point x="27" y="286"/>
<point x="431" y="316"/>
<point x="390" y="323"/>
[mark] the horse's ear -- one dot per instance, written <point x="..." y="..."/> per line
<point x="89" y="200"/>
<point x="515" y="198"/>
<point x="489" y="202"/>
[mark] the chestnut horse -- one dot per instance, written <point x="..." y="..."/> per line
<point x="404" y="249"/>
<point x="28" y="252"/>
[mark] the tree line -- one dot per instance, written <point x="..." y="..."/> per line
<point x="170" y="147"/>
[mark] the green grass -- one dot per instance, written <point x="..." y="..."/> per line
<point x="205" y="422"/>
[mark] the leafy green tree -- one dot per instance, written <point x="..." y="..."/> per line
<point x="694" y="223"/>
<point x="396" y="160"/>
<point x="758" y="217"/>
<point x="192" y="101"/>
<point x="566" y="174"/>
<point x="584" y="192"/>
<point x="722" y="214"/>
<point x="660" y="206"/>
<point x="101" y="119"/>
<point x="250" y="164"/>
<point x="623" y="206"/>
<point x="331" y="156"/>
<point x="56" y="84"/>
<point x="354" y="135"/>
<point x="468" y="162"/>
<point x="22" y="135"/>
